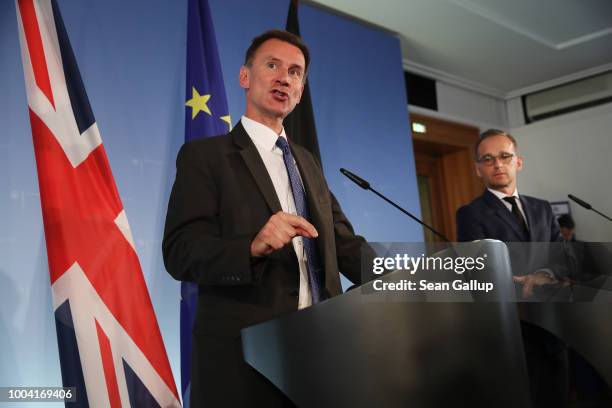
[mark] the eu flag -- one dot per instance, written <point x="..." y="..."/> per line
<point x="206" y="111"/>
<point x="206" y="115"/>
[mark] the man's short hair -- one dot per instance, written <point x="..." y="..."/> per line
<point x="490" y="133"/>
<point x="566" y="221"/>
<point x="278" y="35"/>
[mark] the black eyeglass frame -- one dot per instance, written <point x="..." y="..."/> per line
<point x="489" y="159"/>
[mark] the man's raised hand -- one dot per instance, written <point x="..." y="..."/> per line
<point x="280" y="229"/>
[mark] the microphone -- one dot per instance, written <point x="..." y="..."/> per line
<point x="580" y="202"/>
<point x="356" y="179"/>
<point x="366" y="186"/>
<point x="587" y="206"/>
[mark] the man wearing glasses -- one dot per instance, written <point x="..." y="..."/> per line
<point x="501" y="213"/>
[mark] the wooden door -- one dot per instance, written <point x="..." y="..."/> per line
<point x="445" y="172"/>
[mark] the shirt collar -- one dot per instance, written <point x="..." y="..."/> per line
<point x="501" y="195"/>
<point x="263" y="137"/>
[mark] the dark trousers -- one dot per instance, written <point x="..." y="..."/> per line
<point x="221" y="378"/>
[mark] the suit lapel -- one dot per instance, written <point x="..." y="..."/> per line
<point x="256" y="166"/>
<point x="502" y="212"/>
<point x="309" y="178"/>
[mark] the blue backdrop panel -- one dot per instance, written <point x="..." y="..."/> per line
<point x="132" y="60"/>
<point x="360" y="105"/>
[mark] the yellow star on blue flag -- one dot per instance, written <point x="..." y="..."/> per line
<point x="198" y="103"/>
<point x="227" y="119"/>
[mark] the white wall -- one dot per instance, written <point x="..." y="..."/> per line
<point x="469" y="107"/>
<point x="516" y="117"/>
<point x="484" y="110"/>
<point x="572" y="154"/>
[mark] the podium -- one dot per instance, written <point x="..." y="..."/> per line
<point x="357" y="350"/>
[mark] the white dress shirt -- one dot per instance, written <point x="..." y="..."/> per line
<point x="501" y="196"/>
<point x="264" y="139"/>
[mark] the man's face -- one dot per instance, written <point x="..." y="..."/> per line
<point x="567" y="233"/>
<point x="496" y="174"/>
<point x="274" y="81"/>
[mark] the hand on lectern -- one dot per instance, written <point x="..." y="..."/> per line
<point x="530" y="281"/>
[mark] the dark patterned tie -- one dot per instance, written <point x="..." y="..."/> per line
<point x="313" y="263"/>
<point x="515" y="210"/>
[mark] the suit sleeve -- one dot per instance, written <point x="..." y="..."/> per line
<point x="351" y="249"/>
<point x="192" y="247"/>
<point x="560" y="260"/>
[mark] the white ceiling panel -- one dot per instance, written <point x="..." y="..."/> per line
<point x="502" y="45"/>
<point x="552" y="22"/>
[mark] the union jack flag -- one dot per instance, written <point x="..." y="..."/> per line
<point x="110" y="345"/>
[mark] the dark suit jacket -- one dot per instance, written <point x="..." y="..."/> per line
<point x="488" y="217"/>
<point x="221" y="198"/>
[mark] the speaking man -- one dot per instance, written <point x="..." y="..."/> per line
<point x="502" y="213"/>
<point x="251" y="220"/>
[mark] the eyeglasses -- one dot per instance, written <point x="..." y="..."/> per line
<point x="489" y="159"/>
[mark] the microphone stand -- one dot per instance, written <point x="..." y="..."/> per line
<point x="587" y="206"/>
<point x="366" y="186"/>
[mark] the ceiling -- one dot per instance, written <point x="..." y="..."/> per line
<point x="499" y="47"/>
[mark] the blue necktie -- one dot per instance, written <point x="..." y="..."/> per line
<point x="313" y="263"/>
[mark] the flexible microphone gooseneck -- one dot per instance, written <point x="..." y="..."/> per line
<point x="366" y="186"/>
<point x="587" y="206"/>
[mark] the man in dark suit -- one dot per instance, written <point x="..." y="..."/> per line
<point x="501" y="213"/>
<point x="252" y="221"/>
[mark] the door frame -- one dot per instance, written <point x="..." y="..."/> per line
<point x="447" y="150"/>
